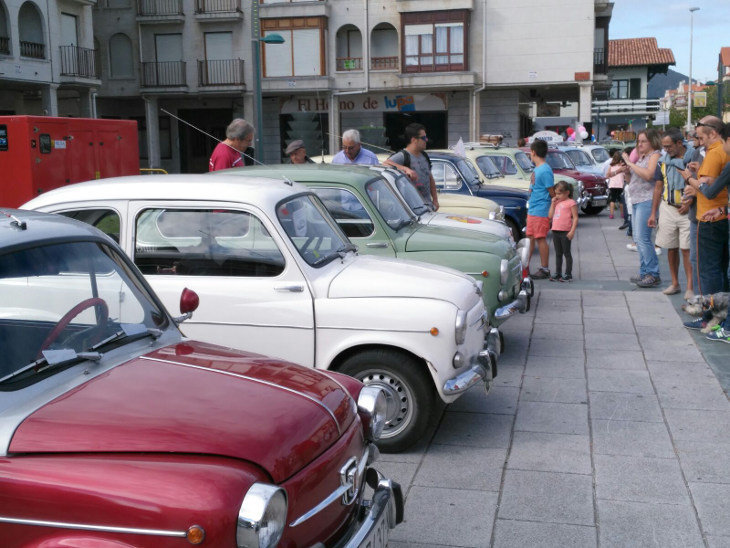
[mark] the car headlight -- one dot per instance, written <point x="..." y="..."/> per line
<point x="262" y="517"/>
<point x="503" y="271"/>
<point x="373" y="409"/>
<point x="460" y="327"/>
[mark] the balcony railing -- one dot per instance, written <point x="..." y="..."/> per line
<point x="349" y="63"/>
<point x="220" y="72"/>
<point x="627" y="107"/>
<point x="4" y="44"/>
<point x="599" y="61"/>
<point x="163" y="74"/>
<point x="76" y="61"/>
<point x="217" y="6"/>
<point x="159" y="7"/>
<point x="384" y="63"/>
<point x="31" y="49"/>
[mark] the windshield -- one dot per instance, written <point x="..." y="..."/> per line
<point x="312" y="230"/>
<point x="67" y="297"/>
<point x="488" y="167"/>
<point x="388" y="204"/>
<point x="524" y="161"/>
<point x="411" y="195"/>
<point x="468" y="171"/>
<point x="559" y="160"/>
<point x="579" y="158"/>
<point x="600" y="155"/>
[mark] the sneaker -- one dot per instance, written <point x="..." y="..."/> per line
<point x="718" y="334"/>
<point x="658" y="250"/>
<point x="635" y="279"/>
<point x="541" y="274"/>
<point x="672" y="290"/>
<point x="697" y="324"/>
<point x="631" y="247"/>
<point x="648" y="281"/>
<point x="624" y="226"/>
<point x="567" y="278"/>
<point x="610" y="216"/>
<point x="555" y="278"/>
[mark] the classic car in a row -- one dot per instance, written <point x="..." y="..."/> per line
<point x="117" y="431"/>
<point x="376" y="219"/>
<point x="276" y="275"/>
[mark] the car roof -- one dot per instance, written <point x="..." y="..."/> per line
<point x="19" y="228"/>
<point x="256" y="190"/>
<point x="308" y="173"/>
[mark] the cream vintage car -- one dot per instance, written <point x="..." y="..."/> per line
<point x="277" y="276"/>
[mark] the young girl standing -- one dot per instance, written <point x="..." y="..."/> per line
<point x="564" y="215"/>
<point x="615" y="174"/>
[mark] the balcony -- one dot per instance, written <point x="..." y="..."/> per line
<point x="4" y="45"/>
<point x="348" y="63"/>
<point x="218" y="10"/>
<point x="599" y="61"/>
<point x="76" y="61"/>
<point x="33" y="50"/>
<point x="220" y="72"/>
<point x="163" y="74"/>
<point x="625" y="107"/>
<point x="160" y="11"/>
<point x="384" y="63"/>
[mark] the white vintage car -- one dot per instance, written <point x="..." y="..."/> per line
<point x="277" y="276"/>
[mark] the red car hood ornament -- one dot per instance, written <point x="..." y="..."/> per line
<point x="196" y="398"/>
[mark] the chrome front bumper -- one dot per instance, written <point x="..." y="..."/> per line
<point x="599" y="200"/>
<point x="483" y="371"/>
<point x="383" y="511"/>
<point x="521" y="304"/>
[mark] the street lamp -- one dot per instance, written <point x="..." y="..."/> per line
<point x="689" y="89"/>
<point x="272" y="38"/>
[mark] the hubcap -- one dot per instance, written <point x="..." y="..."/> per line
<point x="398" y="397"/>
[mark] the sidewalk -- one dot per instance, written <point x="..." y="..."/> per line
<point x="606" y="425"/>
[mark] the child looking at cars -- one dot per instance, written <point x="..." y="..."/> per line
<point x="564" y="215"/>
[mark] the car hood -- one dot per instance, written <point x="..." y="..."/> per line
<point x="444" y="238"/>
<point x="462" y="200"/>
<point x="584" y="177"/>
<point x="370" y="276"/>
<point x="197" y="398"/>
<point x="467" y="222"/>
<point x="488" y="189"/>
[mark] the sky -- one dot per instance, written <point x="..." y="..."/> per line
<point x="669" y="22"/>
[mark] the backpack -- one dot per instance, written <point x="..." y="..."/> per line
<point x="407" y="158"/>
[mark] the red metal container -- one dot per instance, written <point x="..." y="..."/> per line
<point x="40" y="153"/>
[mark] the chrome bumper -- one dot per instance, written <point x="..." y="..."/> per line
<point x="528" y="285"/>
<point x="385" y="507"/>
<point x="481" y="372"/>
<point x="520" y="304"/>
<point x="600" y="200"/>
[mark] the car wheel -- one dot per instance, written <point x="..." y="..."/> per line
<point x="408" y="390"/>
<point x="593" y="210"/>
<point x="516" y="232"/>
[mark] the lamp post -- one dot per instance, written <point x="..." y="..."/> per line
<point x="689" y="88"/>
<point x="256" y="37"/>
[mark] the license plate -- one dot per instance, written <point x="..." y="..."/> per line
<point x="599" y="201"/>
<point x="378" y="537"/>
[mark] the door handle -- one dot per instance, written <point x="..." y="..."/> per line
<point x="296" y="288"/>
<point x="377" y="244"/>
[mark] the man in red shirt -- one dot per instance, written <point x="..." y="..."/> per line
<point x="239" y="135"/>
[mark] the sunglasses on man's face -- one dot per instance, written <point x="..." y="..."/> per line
<point x="425" y="138"/>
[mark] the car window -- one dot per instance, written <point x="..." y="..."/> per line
<point x="412" y="197"/>
<point x="600" y="155"/>
<point x="506" y="165"/>
<point x="347" y="210"/>
<point x="579" y="157"/>
<point x="445" y="175"/>
<point x="487" y="166"/>
<point x="468" y="171"/>
<point x="106" y="220"/>
<point x="205" y="242"/>
<point x="524" y="162"/>
<point x="559" y="160"/>
<point x="388" y="203"/>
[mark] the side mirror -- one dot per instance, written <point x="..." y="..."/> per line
<point x="189" y="302"/>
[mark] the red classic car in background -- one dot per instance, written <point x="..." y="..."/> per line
<point x="116" y="431"/>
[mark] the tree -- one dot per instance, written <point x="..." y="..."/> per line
<point x="678" y="117"/>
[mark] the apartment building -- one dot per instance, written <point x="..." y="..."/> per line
<point x="183" y="70"/>
<point x="47" y="58"/>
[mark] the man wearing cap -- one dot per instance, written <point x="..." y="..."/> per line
<point x="352" y="151"/>
<point x="297" y="153"/>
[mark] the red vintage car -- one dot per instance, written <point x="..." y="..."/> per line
<point x="116" y="431"/>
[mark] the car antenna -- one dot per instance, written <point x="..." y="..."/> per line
<point x="287" y="180"/>
<point x="15" y="221"/>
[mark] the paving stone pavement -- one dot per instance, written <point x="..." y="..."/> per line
<point x="608" y="424"/>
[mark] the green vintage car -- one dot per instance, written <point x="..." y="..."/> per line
<point x="377" y="220"/>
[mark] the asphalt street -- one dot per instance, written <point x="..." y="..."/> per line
<point x="607" y="425"/>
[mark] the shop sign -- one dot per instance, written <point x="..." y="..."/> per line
<point x="369" y="103"/>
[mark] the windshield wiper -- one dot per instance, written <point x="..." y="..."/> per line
<point x="341" y="252"/>
<point x="53" y="358"/>
<point x="131" y="331"/>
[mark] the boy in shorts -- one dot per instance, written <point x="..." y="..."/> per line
<point x="541" y="196"/>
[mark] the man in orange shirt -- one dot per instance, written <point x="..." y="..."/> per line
<point x="712" y="230"/>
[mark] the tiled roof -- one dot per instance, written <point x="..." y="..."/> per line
<point x="725" y="56"/>
<point x="636" y="52"/>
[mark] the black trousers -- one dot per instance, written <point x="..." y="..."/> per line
<point x="562" y="248"/>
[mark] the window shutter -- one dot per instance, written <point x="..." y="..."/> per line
<point x="635" y="88"/>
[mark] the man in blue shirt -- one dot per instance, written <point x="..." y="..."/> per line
<point x="541" y="196"/>
<point x="352" y="151"/>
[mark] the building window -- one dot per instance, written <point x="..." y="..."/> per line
<point x="120" y="56"/>
<point x="301" y="54"/>
<point x="435" y="41"/>
<point x="625" y="89"/>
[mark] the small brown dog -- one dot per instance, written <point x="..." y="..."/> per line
<point x="716" y="303"/>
